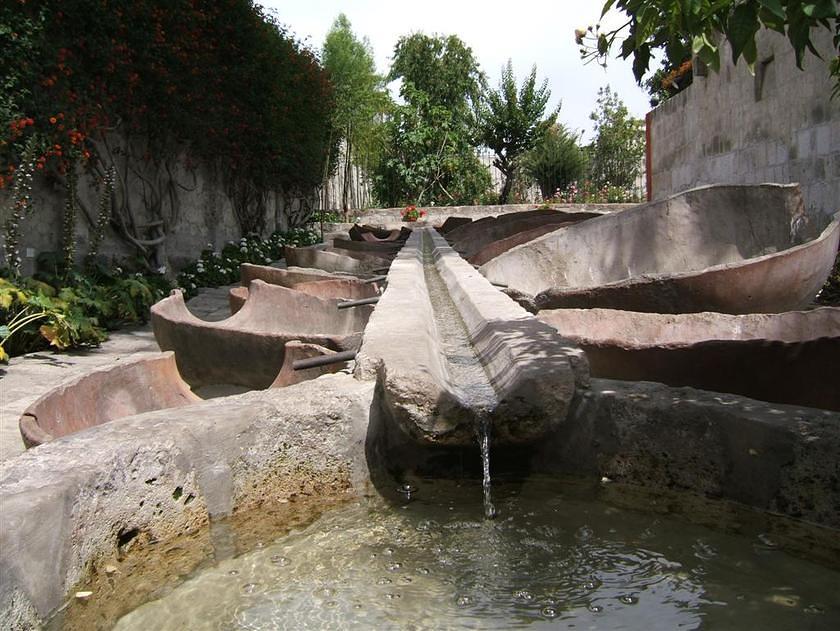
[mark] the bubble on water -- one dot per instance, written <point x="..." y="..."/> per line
<point x="595" y="608"/>
<point x="814" y="609"/>
<point x="388" y="551"/>
<point x="523" y="594"/>
<point x="423" y="570"/>
<point x="393" y="567"/>
<point x="384" y="581"/>
<point x="407" y="490"/>
<point x="392" y="596"/>
<point x="549" y="612"/>
<point x="592" y="584"/>
<point x="250" y="588"/>
<point x="324" y="592"/>
<point x="279" y="559"/>
<point x="628" y="599"/>
<point x="233" y="573"/>
<point x="583" y="533"/>
<point x="260" y="544"/>
<point x="463" y="601"/>
<point x="405" y="580"/>
<point x="331" y="604"/>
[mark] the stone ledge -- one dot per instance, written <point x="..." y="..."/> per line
<point x="159" y="475"/>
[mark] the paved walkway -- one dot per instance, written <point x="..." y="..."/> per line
<point x="28" y="377"/>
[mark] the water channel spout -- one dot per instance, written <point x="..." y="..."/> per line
<point x="474" y="353"/>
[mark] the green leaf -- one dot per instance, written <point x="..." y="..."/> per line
<point x="775" y="6"/>
<point x="641" y="61"/>
<point x="741" y="29"/>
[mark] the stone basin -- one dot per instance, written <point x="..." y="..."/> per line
<point x="373" y="234"/>
<point x="147" y="383"/>
<point x="337" y="288"/>
<point x="284" y="276"/>
<point x="380" y="248"/>
<point x="247" y="349"/>
<point x="331" y="261"/>
<point x="727" y="248"/>
<point x="368" y="257"/>
<point x="785" y="358"/>
<point x="319" y="258"/>
<point x="470" y="239"/>
<point x="170" y="473"/>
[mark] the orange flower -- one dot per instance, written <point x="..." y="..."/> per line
<point x="53" y="120"/>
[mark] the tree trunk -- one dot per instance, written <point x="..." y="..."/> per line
<point x="505" y="194"/>
<point x="345" y="208"/>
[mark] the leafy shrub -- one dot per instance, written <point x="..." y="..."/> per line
<point x="72" y="313"/>
<point x="213" y="269"/>
<point x="555" y="162"/>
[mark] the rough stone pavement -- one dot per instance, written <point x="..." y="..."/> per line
<point x="26" y="378"/>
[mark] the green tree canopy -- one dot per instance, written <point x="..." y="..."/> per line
<point x="444" y="68"/>
<point x="616" y="153"/>
<point x="360" y="96"/>
<point x="510" y="121"/>
<point x="674" y="25"/>
<point x="429" y="155"/>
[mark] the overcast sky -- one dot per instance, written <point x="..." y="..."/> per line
<point x="529" y="32"/>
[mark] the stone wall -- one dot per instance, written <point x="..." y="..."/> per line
<point x="778" y="125"/>
<point x="196" y="210"/>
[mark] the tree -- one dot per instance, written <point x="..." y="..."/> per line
<point x="360" y="96"/>
<point x="429" y="154"/>
<point x="670" y="25"/>
<point x="555" y="161"/>
<point x="429" y="157"/>
<point x="442" y="67"/>
<point x="616" y="153"/>
<point x="510" y="122"/>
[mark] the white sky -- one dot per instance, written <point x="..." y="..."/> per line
<point x="529" y="32"/>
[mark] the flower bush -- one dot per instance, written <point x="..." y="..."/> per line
<point x="587" y="193"/>
<point x="410" y="213"/>
<point x="213" y="269"/>
<point x="151" y="82"/>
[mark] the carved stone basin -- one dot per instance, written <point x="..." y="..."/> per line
<point x="247" y="349"/>
<point x="471" y="239"/>
<point x="148" y="383"/>
<point x="730" y="249"/>
<point x="332" y="261"/>
<point x="785" y="358"/>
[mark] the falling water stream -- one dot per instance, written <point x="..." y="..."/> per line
<point x="467" y="373"/>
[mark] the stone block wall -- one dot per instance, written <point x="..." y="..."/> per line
<point x="778" y="125"/>
<point x="199" y="214"/>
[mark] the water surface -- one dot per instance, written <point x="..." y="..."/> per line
<point x="554" y="557"/>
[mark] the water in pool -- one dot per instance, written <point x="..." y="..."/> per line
<point x="553" y="557"/>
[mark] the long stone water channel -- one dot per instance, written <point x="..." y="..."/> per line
<point x="468" y="374"/>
